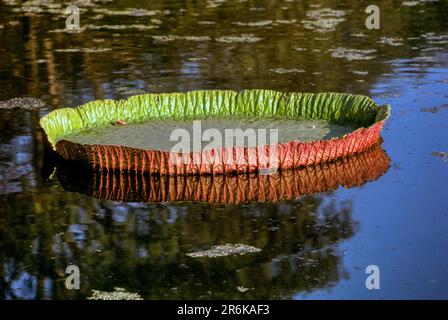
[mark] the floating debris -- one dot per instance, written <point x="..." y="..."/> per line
<point x="119" y="123"/>
<point x="197" y="59"/>
<point x="224" y="250"/>
<point x="283" y="21"/>
<point x="283" y="71"/>
<point x="128" y="91"/>
<point x="84" y="50"/>
<point x="22" y="103"/>
<point x="66" y="30"/>
<point x="410" y="3"/>
<point x="214" y="3"/>
<point x="169" y="38"/>
<point x="254" y="24"/>
<point x="443" y="155"/>
<point x="140" y="27"/>
<point x="257" y="9"/>
<point x="324" y="20"/>
<point x="361" y="73"/>
<point x="431" y="49"/>
<point x="11" y="2"/>
<point x="133" y="12"/>
<point x="386" y="94"/>
<point x="432" y="38"/>
<point x="359" y="35"/>
<point x="352" y="54"/>
<point x="415" y="3"/>
<point x="244" y="38"/>
<point x="242" y="289"/>
<point x="121" y="27"/>
<point x="32" y="7"/>
<point x="117" y="294"/>
<point x="205" y="22"/>
<point x="434" y="109"/>
<point x="395" y="42"/>
<point x="424" y="59"/>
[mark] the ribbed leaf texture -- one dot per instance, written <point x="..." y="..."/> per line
<point x="224" y="189"/>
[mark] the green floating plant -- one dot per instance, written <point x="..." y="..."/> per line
<point x="338" y="108"/>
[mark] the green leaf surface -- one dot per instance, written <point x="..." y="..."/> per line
<point x="339" y="108"/>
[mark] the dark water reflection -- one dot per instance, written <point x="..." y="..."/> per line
<point x="310" y="244"/>
<point x="206" y="44"/>
<point x="143" y="248"/>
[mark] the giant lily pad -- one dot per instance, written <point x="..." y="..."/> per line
<point x="133" y="134"/>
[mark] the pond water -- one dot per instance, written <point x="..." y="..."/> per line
<point x="388" y="209"/>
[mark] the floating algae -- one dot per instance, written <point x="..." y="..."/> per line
<point x="244" y="38"/>
<point x="352" y="54"/>
<point x="361" y="73"/>
<point x="84" y="50"/>
<point x="324" y="20"/>
<point x="442" y="155"/>
<point x="214" y="3"/>
<point x="140" y="27"/>
<point x="224" y="250"/>
<point x="434" y="109"/>
<point x="410" y="3"/>
<point x="284" y="21"/>
<point x="22" y="103"/>
<point x="254" y="24"/>
<point x="394" y="42"/>
<point x="133" y="12"/>
<point x="38" y="6"/>
<point x="283" y="70"/>
<point x="170" y="38"/>
<point x="117" y="294"/>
